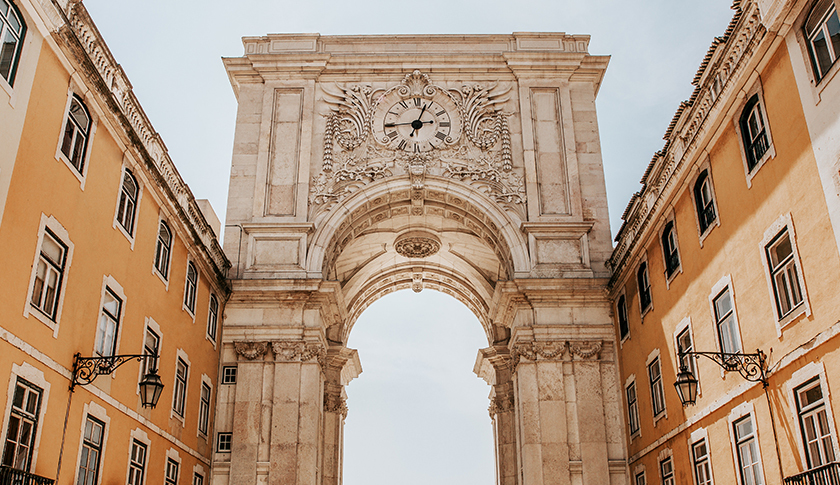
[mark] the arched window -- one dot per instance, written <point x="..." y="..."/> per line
<point x="163" y="250"/>
<point x="12" y="32"/>
<point x="669" y="249"/>
<point x="190" y="287"/>
<point x="621" y="309"/>
<point x="76" y="133"/>
<point x="644" y="286"/>
<point x="128" y="202"/>
<point x="754" y="133"/>
<point x="703" y="199"/>
<point x="822" y="29"/>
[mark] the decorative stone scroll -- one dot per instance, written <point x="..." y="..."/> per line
<point x="250" y="350"/>
<point x="298" y="351"/>
<point x="479" y="155"/>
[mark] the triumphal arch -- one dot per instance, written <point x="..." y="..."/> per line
<point x="469" y="165"/>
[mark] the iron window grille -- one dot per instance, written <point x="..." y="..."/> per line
<point x="754" y="132"/>
<point x="705" y="202"/>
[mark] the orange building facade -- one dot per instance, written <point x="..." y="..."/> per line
<point x="107" y="253"/>
<point x="731" y="247"/>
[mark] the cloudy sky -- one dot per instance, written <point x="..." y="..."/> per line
<point x="417" y="414"/>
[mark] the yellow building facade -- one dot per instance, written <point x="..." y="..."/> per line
<point x="107" y="253"/>
<point x="731" y="247"/>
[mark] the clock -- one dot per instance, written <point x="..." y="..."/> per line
<point x="416" y="124"/>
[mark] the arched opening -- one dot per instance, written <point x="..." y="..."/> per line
<point x="418" y="412"/>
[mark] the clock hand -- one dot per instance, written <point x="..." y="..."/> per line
<point x="391" y="125"/>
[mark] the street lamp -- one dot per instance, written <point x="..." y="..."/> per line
<point x="87" y="369"/>
<point x="752" y="367"/>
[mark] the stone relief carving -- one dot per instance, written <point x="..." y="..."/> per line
<point x="250" y="350"/>
<point x="503" y="403"/>
<point x="586" y="350"/>
<point x="556" y="350"/>
<point x="298" y="351"/>
<point x="478" y="155"/>
<point x="417" y="245"/>
<point x="334" y="403"/>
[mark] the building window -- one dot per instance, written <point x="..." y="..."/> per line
<point x="151" y="346"/>
<point x="180" y="392"/>
<point x="204" y="409"/>
<point x="621" y="310"/>
<point x="229" y="374"/>
<point x="640" y="478"/>
<point x="137" y="463"/>
<point x="754" y="132"/>
<point x="727" y="327"/>
<point x="644" y="286"/>
<point x="700" y="460"/>
<point x="632" y="408"/>
<point x="749" y="461"/>
<point x="198" y="479"/>
<point x="213" y="317"/>
<point x="171" y="477"/>
<point x="657" y="393"/>
<point x="23" y="426"/>
<point x="76" y="133"/>
<point x="813" y="420"/>
<point x="163" y="250"/>
<point x="823" y="32"/>
<point x="91" y="451"/>
<point x="666" y="469"/>
<point x="109" y="321"/>
<point x="685" y="345"/>
<point x="784" y="273"/>
<point x="128" y="202"/>
<point x="190" y="287"/>
<point x="669" y="248"/>
<point x="223" y="442"/>
<point x="48" y="275"/>
<point x="705" y="201"/>
<point x="12" y="31"/>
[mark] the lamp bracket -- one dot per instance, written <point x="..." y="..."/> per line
<point x="752" y="367"/>
<point x="87" y="369"/>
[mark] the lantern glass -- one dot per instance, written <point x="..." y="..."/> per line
<point x="686" y="385"/>
<point x="150" y="389"/>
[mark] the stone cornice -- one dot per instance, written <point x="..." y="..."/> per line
<point x="87" y="47"/>
<point x="693" y="126"/>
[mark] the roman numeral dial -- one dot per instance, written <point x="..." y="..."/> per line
<point x="416" y="124"/>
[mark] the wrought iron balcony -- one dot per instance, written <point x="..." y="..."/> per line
<point x="13" y="476"/>
<point x="822" y="475"/>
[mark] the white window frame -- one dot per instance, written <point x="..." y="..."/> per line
<point x="725" y="283"/>
<point x="706" y="166"/>
<point x="666" y="455"/>
<point x="8" y="84"/>
<point x="198" y="471"/>
<point x="685" y="326"/>
<point x="694" y="439"/>
<point x="784" y="223"/>
<point x="631" y="381"/>
<point x="181" y="355"/>
<point x="36" y="377"/>
<point x="215" y="335"/>
<point x="639" y="471"/>
<point x="811" y="58"/>
<point x="678" y="269"/>
<point x="117" y="224"/>
<point x="153" y="326"/>
<point x="218" y="441"/>
<point x="184" y="305"/>
<point x="737" y="414"/>
<point x="807" y="373"/>
<point x="172" y="454"/>
<point x="59" y="155"/>
<point x="98" y="412"/>
<point x="655" y="357"/>
<point x="643" y="311"/>
<point x="112" y="285"/>
<point x="140" y="436"/>
<point x="49" y="222"/>
<point x="817" y="84"/>
<point x="758" y="90"/>
<point x="165" y="279"/>
<point x="205" y="381"/>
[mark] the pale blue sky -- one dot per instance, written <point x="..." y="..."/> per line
<point x="417" y="413"/>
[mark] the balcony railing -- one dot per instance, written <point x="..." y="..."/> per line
<point x="12" y="476"/>
<point x="821" y="475"/>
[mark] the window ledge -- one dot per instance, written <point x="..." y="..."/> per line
<point x="820" y="85"/>
<point x="800" y="310"/>
<point x="37" y="313"/>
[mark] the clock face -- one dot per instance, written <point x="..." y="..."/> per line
<point x="416" y="124"/>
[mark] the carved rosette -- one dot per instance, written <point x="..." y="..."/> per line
<point x="298" y="351"/>
<point x="250" y="350"/>
<point x="417" y="245"/>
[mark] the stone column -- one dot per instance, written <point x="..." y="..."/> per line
<point x="296" y="415"/>
<point x="342" y="365"/>
<point x="246" y="412"/>
<point x="494" y="366"/>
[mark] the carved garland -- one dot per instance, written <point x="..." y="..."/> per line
<point x="555" y="350"/>
<point x="481" y="156"/>
<point x="284" y="350"/>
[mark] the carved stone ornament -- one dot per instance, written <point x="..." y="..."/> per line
<point x="501" y="404"/>
<point x="533" y="351"/>
<point x="477" y="151"/>
<point x="250" y="350"/>
<point x="586" y="350"/>
<point x="417" y="245"/>
<point x="417" y="282"/>
<point x="334" y="403"/>
<point x="298" y="351"/>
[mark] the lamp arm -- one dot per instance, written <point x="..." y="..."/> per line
<point x="87" y="369"/>
<point x="752" y="367"/>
